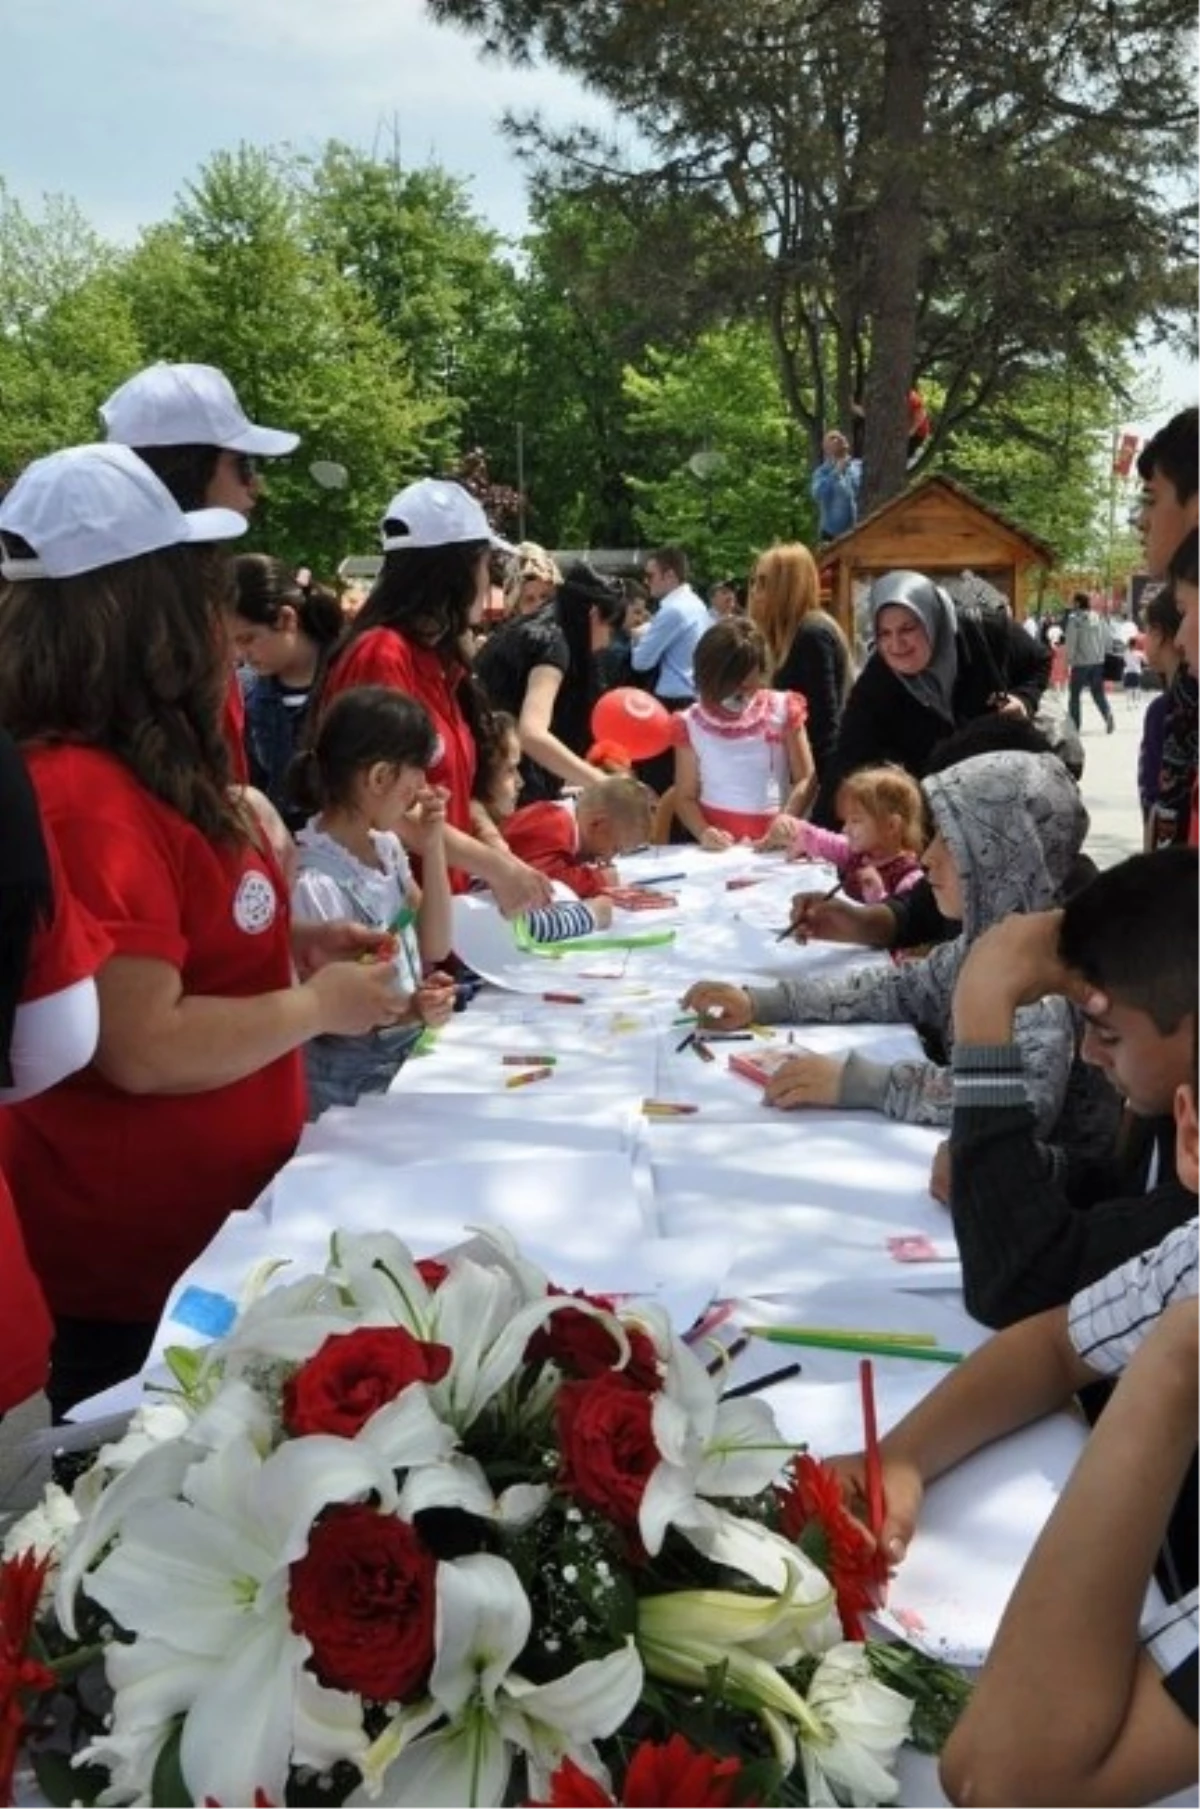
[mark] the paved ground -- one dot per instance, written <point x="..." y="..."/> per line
<point x="1110" y="791"/>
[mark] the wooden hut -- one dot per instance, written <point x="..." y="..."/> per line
<point x="936" y="527"/>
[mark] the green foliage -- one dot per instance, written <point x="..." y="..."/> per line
<point x="234" y="280"/>
<point x="66" y="333"/>
<point x="729" y="476"/>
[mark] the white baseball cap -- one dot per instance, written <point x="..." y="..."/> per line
<point x="436" y="512"/>
<point x="90" y="506"/>
<point x="187" y="405"/>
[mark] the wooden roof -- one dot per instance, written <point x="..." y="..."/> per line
<point x="933" y="503"/>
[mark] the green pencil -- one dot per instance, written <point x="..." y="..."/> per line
<point x="866" y="1347"/>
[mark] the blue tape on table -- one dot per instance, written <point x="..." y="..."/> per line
<point x="203" y="1311"/>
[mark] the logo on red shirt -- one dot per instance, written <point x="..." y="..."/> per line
<point x="254" y="904"/>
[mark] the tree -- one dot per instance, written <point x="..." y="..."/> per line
<point x="999" y="183"/>
<point x="718" y="451"/>
<point x="232" y="281"/>
<point x="67" y="336"/>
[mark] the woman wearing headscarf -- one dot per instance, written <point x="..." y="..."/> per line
<point x="50" y="948"/>
<point x="934" y="667"/>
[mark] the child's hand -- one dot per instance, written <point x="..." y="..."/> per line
<point x="427" y="818"/>
<point x="870" y="885"/>
<point x="715" y="841"/>
<point x="903" y="1492"/>
<point x="807" y="1080"/>
<point x="781" y="834"/>
<point x="939" y="1174"/>
<point x="355" y="999"/>
<point x="433" y="1000"/>
<point x="602" y="910"/>
<point x="718" y="1007"/>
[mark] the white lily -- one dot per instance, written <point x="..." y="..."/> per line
<point x="709" y="1447"/>
<point x="777" y="1565"/>
<point x="863" y="1722"/>
<point x="202" y="1581"/>
<point x="461" y="1483"/>
<point x="491" y="1712"/>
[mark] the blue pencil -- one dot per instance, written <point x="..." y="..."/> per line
<point x="658" y="879"/>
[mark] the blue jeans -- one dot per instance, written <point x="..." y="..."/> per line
<point x="1091" y="678"/>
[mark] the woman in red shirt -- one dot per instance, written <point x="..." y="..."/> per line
<point x="111" y="678"/>
<point x="412" y="634"/>
<point x="49" y="950"/>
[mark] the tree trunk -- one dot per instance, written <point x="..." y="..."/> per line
<point x="893" y="283"/>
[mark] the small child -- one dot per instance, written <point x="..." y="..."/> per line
<point x="1131" y="676"/>
<point x="877" y="855"/>
<point x="365" y="777"/>
<point x="575" y="840"/>
<point x="741" y="751"/>
<point x="497" y="788"/>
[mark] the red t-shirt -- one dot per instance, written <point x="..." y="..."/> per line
<point x="66" y="950"/>
<point x="546" y="836"/>
<point x="384" y="657"/>
<point x="119" y="1193"/>
<point x="233" y="727"/>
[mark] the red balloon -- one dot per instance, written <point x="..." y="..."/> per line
<point x="634" y="719"/>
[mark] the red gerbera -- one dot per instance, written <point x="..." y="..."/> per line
<point x="671" y="1775"/>
<point x="814" y="1516"/>
<point x="21" y="1580"/>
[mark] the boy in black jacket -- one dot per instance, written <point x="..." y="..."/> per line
<point x="1031" y="1226"/>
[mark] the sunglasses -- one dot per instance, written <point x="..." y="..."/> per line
<point x="246" y="467"/>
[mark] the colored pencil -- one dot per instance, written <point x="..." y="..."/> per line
<point x="526" y="1079"/>
<point x="687" y="1042"/>
<point x="700" y="1048"/>
<point x="866" y="1347"/>
<point x="729" y="1036"/>
<point x="790" y="929"/>
<point x="667" y="1108"/>
<point x="874" y="1468"/>
<point x="657" y="879"/>
<point x="528" y="1061"/>
<point x="760" y="1382"/>
<point x="726" y="1355"/>
<point x="563" y="998"/>
<point x="848" y="1331"/>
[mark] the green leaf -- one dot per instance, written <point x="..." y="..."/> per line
<point x="61" y="1782"/>
<point x="167" y="1788"/>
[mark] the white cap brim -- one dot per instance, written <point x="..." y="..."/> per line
<point x="215" y="524"/>
<point x="399" y="543"/>
<point x="263" y="442"/>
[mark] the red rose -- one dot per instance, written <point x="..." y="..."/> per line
<point x="356" y="1373"/>
<point x="582" y="1345"/>
<point x="432" y="1272"/>
<point x="607" y="1443"/>
<point x="363" y="1595"/>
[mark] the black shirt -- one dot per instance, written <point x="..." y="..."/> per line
<point x="503" y="667"/>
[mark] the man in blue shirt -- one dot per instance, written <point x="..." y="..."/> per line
<point x="835" y="486"/>
<point x="668" y="640"/>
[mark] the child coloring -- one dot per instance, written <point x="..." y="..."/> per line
<point x="365" y="775"/>
<point x="741" y="752"/>
<point x="877" y="855"/>
<point x="497" y="788"/>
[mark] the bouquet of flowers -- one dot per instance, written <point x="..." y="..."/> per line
<point x="436" y="1532"/>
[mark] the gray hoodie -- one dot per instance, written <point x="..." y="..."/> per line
<point x="1014" y="823"/>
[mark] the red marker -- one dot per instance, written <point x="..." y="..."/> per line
<point x="874" y="1469"/>
<point x="563" y="998"/>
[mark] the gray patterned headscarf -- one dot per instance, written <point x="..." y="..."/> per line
<point x="934" y="686"/>
<point x="1014" y="823"/>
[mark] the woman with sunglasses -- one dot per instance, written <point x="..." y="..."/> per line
<point x="186" y="422"/>
<point x="935" y="666"/>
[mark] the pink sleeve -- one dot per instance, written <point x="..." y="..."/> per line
<point x="824" y="844"/>
<point x="795" y="709"/>
<point x="908" y="881"/>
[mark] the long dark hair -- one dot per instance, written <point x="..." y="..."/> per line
<point x="583" y="589"/>
<point x="426" y="594"/>
<point x="262" y="586"/>
<point x="187" y="471"/>
<point x="365" y="727"/>
<point x="26" y="889"/>
<point x="129" y="658"/>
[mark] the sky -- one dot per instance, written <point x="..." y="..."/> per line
<point x="118" y="103"/>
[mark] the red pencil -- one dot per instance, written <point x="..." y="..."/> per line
<point x="874" y="1468"/>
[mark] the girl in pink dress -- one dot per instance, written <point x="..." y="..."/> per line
<point x="741" y="751"/>
<point x="877" y="855"/>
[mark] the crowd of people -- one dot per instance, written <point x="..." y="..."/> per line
<point x="236" y="819"/>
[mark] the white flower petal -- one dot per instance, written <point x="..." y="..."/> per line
<point x="521" y="1504"/>
<point x="669" y="1499"/>
<point x="178" y="1575"/>
<point x="588" y="1703"/>
<point x="327" y="1725"/>
<point x="457" y="1483"/>
<point x="306" y="1475"/>
<point x="744" y="1451"/>
<point x="462" y="1765"/>
<point x="238" y="1731"/>
<point x="157" y="1476"/>
<point x="482" y="1625"/>
<point x="407" y="1431"/>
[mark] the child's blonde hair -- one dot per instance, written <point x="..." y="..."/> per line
<point x="625" y="802"/>
<point x="887" y="791"/>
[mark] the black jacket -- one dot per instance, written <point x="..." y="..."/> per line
<point x="884" y="721"/>
<point x="816" y="665"/>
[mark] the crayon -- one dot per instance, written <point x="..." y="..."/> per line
<point x="756" y="1386"/>
<point x="532" y="1074"/>
<point x="526" y="1061"/>
<point x="667" y="1108"/>
<point x="563" y="998"/>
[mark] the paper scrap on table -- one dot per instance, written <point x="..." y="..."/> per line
<point x="917" y="1248"/>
